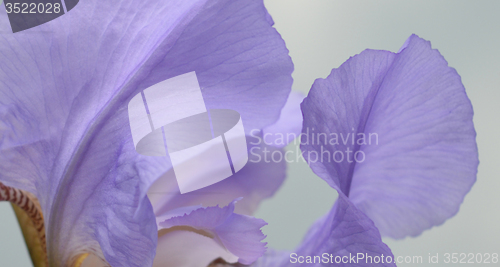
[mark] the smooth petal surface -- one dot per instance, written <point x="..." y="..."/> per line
<point x="239" y="234"/>
<point x="65" y="86"/>
<point x="422" y="157"/>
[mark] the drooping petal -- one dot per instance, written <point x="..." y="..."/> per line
<point x="63" y="120"/>
<point x="239" y="234"/>
<point x="258" y="180"/>
<point x="409" y="117"/>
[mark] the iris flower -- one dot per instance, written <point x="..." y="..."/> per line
<point x="64" y="130"/>
<point x="412" y="177"/>
<point x="66" y="144"/>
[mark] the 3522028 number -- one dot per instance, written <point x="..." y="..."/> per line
<point x="25" y="8"/>
<point x="471" y="258"/>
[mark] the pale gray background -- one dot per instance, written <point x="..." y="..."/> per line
<point x="321" y="35"/>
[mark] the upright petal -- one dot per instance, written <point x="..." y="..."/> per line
<point x="407" y="123"/>
<point x="337" y="108"/>
<point x="236" y="54"/>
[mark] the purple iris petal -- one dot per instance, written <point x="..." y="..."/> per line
<point x="427" y="166"/>
<point x="413" y="176"/>
<point x="235" y="53"/>
<point x="63" y="119"/>
<point x="258" y="180"/>
<point x="336" y="108"/>
<point x="239" y="234"/>
<point x="419" y="155"/>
